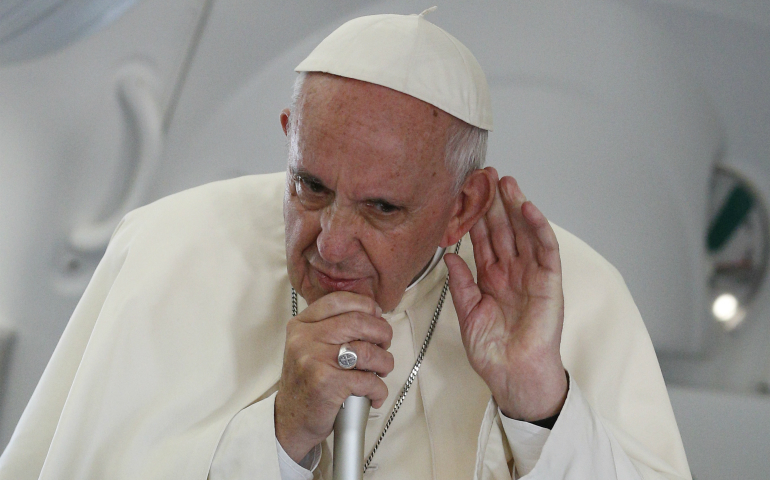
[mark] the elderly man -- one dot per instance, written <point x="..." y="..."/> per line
<point x="182" y="359"/>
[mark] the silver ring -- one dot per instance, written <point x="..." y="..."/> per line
<point x="347" y="357"/>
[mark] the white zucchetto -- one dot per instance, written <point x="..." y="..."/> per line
<point x="408" y="54"/>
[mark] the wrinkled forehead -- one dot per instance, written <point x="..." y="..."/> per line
<point x="345" y="99"/>
<point x="349" y="127"/>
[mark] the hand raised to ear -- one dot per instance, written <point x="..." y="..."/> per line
<point x="511" y="320"/>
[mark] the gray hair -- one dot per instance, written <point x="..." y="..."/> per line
<point x="465" y="150"/>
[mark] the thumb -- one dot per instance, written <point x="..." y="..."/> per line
<point x="465" y="293"/>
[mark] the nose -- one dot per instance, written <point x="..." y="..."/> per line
<point x="338" y="240"/>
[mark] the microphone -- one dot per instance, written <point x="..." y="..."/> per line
<point x="349" y="434"/>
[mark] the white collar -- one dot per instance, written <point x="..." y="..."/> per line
<point x="434" y="261"/>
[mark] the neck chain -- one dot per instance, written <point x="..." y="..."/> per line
<point x="415" y="368"/>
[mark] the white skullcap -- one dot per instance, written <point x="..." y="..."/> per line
<point x="411" y="55"/>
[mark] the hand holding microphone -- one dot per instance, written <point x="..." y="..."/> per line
<point x="314" y="385"/>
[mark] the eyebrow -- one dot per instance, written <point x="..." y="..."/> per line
<point x="301" y="172"/>
<point x="384" y="201"/>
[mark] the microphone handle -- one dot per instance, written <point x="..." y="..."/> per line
<point x="349" y="435"/>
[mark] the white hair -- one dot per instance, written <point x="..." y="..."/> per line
<point x="465" y="150"/>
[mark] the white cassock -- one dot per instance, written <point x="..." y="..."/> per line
<point x="182" y="329"/>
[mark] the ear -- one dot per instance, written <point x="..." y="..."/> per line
<point x="285" y="120"/>
<point x="473" y="201"/>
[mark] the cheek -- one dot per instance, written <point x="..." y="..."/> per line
<point x="418" y="249"/>
<point x="398" y="258"/>
<point x="301" y="230"/>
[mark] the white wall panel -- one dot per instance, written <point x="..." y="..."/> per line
<point x="66" y="146"/>
<point x="724" y="435"/>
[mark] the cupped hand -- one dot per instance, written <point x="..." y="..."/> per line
<point x="511" y="319"/>
<point x="313" y="386"/>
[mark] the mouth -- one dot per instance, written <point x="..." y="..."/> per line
<point x="334" y="284"/>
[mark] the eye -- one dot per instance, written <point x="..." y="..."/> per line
<point x="311" y="193"/>
<point x="313" y="185"/>
<point x="383" y="206"/>
<point x="307" y="185"/>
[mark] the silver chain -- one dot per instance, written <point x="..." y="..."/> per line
<point x="415" y="368"/>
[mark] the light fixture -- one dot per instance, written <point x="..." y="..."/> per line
<point x="728" y="310"/>
<point x="725" y="307"/>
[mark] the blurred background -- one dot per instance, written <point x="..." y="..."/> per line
<point x="643" y="126"/>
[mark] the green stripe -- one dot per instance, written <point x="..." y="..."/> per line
<point x="730" y="216"/>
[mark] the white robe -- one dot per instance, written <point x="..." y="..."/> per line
<point x="183" y="326"/>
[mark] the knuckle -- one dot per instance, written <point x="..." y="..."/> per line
<point x="303" y="365"/>
<point x="291" y="344"/>
<point x="295" y="341"/>
<point x="325" y="378"/>
<point x="390" y="361"/>
<point x="382" y="390"/>
<point x="363" y="351"/>
<point x="388" y="330"/>
<point x="336" y="300"/>
<point x="356" y="323"/>
<point x="370" y="305"/>
<point x="342" y="300"/>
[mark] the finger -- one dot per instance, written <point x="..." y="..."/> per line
<point x="465" y="293"/>
<point x="337" y="303"/>
<point x="335" y="385"/>
<point x="371" y="358"/>
<point x="482" y="245"/>
<point x="548" y="252"/>
<point x="500" y="229"/>
<point x="524" y="234"/>
<point x="352" y="326"/>
<point x="366" y="384"/>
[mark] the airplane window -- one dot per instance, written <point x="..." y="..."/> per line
<point x="737" y="242"/>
